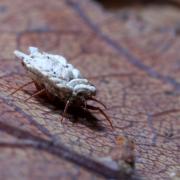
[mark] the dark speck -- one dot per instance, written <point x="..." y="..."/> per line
<point x="105" y="81"/>
<point x="124" y="16"/>
<point x="168" y="134"/>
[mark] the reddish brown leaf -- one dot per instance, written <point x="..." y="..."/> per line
<point x="130" y="53"/>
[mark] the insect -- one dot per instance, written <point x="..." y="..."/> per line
<point x="55" y="77"/>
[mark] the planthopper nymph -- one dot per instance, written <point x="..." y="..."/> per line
<point x="55" y="77"/>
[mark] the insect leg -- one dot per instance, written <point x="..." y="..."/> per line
<point x="65" y="110"/>
<point x="101" y="111"/>
<point x="21" y="87"/>
<point x="98" y="101"/>
<point x="38" y="87"/>
<point x="36" y="94"/>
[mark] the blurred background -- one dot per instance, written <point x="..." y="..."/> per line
<point x="130" y="50"/>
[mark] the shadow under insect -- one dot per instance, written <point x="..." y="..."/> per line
<point x="85" y="117"/>
<point x="115" y="5"/>
<point x="74" y="114"/>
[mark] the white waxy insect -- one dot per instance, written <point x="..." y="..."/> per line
<point x="53" y="75"/>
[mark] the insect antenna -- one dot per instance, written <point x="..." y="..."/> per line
<point x="98" y="101"/>
<point x="21" y="87"/>
<point x="65" y="110"/>
<point x="36" y="94"/>
<point x="101" y="111"/>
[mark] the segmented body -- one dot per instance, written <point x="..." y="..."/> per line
<point x="53" y="75"/>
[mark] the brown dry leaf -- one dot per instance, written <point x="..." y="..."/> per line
<point x="131" y="54"/>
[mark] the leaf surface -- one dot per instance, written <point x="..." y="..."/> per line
<point x="132" y="56"/>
